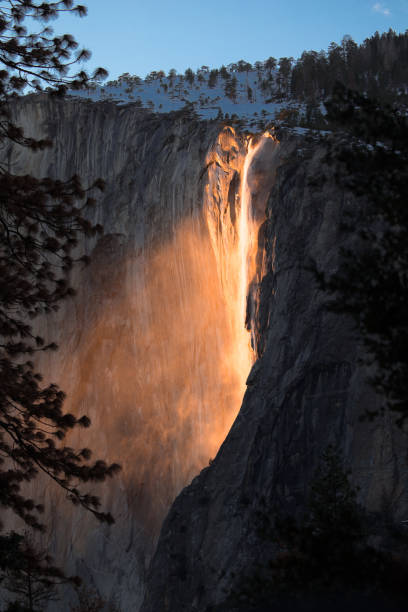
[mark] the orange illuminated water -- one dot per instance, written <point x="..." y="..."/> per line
<point x="248" y="238"/>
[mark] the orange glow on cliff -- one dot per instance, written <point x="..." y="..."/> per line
<point x="160" y="357"/>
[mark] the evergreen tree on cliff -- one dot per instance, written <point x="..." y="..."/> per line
<point x="41" y="222"/>
<point x="28" y="574"/>
<point x="323" y="560"/>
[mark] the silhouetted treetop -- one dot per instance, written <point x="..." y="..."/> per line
<point x="42" y="220"/>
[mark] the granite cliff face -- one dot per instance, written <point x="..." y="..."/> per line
<point x="154" y="348"/>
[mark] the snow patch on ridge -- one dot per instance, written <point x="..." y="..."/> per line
<point x="258" y="97"/>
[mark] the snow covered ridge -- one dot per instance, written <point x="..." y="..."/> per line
<point x="285" y="91"/>
<point x="253" y="95"/>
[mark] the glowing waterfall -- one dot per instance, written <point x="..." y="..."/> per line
<point x="248" y="235"/>
<point x="234" y="239"/>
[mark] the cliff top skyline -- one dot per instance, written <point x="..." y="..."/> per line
<point x="138" y="38"/>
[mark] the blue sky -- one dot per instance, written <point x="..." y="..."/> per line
<point x="137" y="37"/>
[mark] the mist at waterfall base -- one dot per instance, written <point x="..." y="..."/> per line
<point x="159" y="359"/>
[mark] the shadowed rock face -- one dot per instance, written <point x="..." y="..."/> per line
<point x="149" y="351"/>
